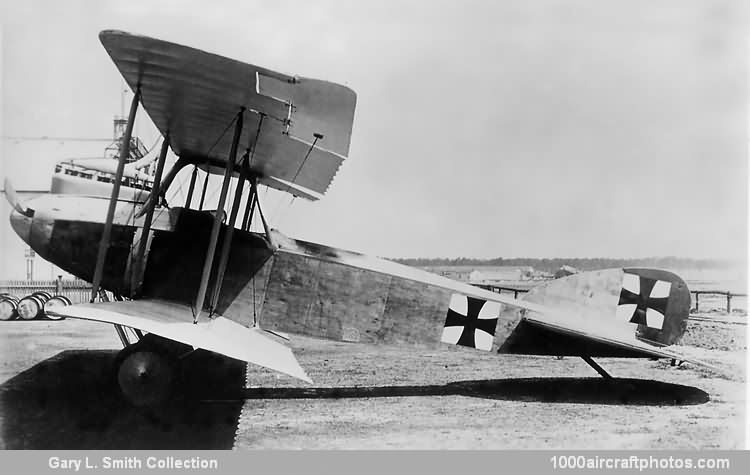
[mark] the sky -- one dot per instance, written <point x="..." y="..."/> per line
<point x="483" y="128"/>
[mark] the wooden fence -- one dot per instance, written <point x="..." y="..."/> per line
<point x="728" y="295"/>
<point x="499" y="289"/>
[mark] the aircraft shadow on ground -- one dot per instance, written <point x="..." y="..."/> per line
<point x="71" y="401"/>
<point x="551" y="390"/>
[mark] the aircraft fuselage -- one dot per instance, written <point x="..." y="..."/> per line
<point x="299" y="287"/>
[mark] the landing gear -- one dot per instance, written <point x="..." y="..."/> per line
<point x="148" y="372"/>
<point x="146" y="378"/>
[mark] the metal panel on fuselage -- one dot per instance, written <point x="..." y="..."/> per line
<point x="72" y="246"/>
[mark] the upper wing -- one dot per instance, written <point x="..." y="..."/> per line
<point x="173" y="321"/>
<point x="195" y="96"/>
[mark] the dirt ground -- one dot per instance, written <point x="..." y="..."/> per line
<point x="367" y="397"/>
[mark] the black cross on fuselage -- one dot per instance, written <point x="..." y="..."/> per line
<point x="470" y="322"/>
<point x="643" y="301"/>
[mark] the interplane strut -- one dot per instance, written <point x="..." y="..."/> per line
<point x="124" y="154"/>
<point x="200" y="298"/>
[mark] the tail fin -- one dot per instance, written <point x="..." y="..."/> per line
<point x="652" y="303"/>
<point x="657" y="301"/>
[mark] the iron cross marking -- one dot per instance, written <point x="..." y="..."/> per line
<point x="471" y="322"/>
<point x="643" y="300"/>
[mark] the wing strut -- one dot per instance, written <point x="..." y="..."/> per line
<point x="166" y="182"/>
<point x="203" y="190"/>
<point x="124" y="154"/>
<point x="253" y="202"/>
<point x="249" y="208"/>
<point x="227" y="244"/>
<point x="191" y="188"/>
<point x="138" y="265"/>
<point x="262" y="218"/>
<point x="200" y="298"/>
<point x="252" y="198"/>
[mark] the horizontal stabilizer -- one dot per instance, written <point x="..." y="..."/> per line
<point x="174" y="321"/>
<point x="541" y="337"/>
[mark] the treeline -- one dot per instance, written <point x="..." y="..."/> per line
<point x="581" y="263"/>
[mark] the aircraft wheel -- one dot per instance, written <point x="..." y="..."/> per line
<point x="146" y="375"/>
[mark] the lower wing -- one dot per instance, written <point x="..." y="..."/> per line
<point x="174" y="321"/>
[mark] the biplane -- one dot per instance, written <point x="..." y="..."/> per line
<point x="187" y="277"/>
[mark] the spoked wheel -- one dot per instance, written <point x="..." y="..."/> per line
<point x="146" y="378"/>
<point x="149" y="372"/>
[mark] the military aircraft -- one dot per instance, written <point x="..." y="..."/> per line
<point x="203" y="279"/>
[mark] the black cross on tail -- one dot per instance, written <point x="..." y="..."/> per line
<point x="648" y="294"/>
<point x="466" y="315"/>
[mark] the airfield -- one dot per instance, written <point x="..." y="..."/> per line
<point x="55" y="393"/>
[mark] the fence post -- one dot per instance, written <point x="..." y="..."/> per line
<point x="58" y="285"/>
<point x="696" y="301"/>
<point x="729" y="302"/>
